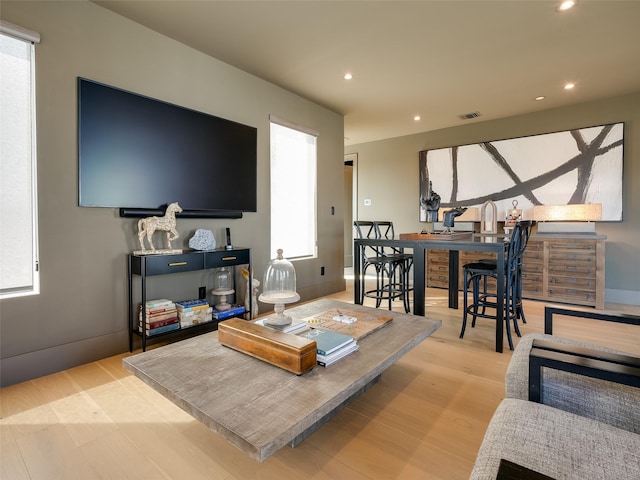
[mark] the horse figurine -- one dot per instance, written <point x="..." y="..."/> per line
<point x="148" y="226"/>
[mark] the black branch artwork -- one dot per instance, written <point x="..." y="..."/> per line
<point x="583" y="163"/>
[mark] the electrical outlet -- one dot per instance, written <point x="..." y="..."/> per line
<point x="202" y="293"/>
<point x="321" y="270"/>
<point x="367" y="202"/>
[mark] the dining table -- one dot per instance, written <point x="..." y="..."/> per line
<point x="419" y="244"/>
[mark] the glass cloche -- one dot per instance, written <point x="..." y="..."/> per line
<point x="223" y="286"/>
<point x="279" y="288"/>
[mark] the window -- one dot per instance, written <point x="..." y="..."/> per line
<point x="18" y="205"/>
<point x="293" y="190"/>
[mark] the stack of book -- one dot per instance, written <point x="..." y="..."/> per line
<point x="193" y="312"/>
<point x="231" y="312"/>
<point x="161" y="316"/>
<point x="331" y="346"/>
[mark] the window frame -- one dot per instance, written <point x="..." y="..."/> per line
<point x="279" y="220"/>
<point x="30" y="38"/>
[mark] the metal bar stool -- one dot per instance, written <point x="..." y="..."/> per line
<point x="402" y="277"/>
<point x="390" y="267"/>
<point x="526" y="226"/>
<point x="477" y="272"/>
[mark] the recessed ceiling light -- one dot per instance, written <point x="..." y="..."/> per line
<point x="566" y="5"/>
<point x="541" y="97"/>
<point x="348" y="76"/>
<point x="569" y="86"/>
<point x="417" y="118"/>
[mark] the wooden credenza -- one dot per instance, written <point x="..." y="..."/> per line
<point x="565" y="269"/>
<point x="556" y="268"/>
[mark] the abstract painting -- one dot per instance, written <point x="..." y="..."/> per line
<point x="573" y="166"/>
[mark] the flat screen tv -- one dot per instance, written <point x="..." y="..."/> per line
<point x="139" y="154"/>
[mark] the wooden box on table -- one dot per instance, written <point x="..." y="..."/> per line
<point x="290" y="352"/>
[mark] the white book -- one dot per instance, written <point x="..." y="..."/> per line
<point x="326" y="360"/>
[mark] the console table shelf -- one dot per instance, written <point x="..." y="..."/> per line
<point x="144" y="266"/>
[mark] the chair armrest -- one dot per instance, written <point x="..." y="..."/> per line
<point x="573" y="311"/>
<point x="613" y="367"/>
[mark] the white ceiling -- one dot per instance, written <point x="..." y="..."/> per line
<point x="437" y="59"/>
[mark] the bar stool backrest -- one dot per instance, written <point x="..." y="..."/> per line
<point x="385" y="230"/>
<point x="367" y="229"/>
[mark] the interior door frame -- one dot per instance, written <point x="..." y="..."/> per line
<point x="351" y="159"/>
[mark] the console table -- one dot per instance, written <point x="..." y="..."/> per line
<point x="261" y="408"/>
<point x="144" y="266"/>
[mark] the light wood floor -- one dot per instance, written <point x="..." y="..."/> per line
<point x="425" y="419"/>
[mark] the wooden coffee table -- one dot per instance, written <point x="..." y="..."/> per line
<point x="259" y="407"/>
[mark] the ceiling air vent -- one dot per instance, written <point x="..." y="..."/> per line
<point x="469" y="116"/>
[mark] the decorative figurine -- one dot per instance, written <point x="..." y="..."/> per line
<point x="148" y="226"/>
<point x="251" y="289"/>
<point x="449" y="216"/>
<point x="514" y="215"/>
<point x="431" y="203"/>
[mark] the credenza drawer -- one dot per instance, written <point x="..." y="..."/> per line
<point x="572" y="282"/>
<point x="533" y="257"/>
<point x="438" y="256"/>
<point x="572" y="258"/>
<point x="587" y="270"/>
<point x="572" y="295"/>
<point x="578" y="245"/>
<point x="438" y="281"/>
<point x="532" y="268"/>
<point x="438" y="269"/>
<point x="165" y="264"/>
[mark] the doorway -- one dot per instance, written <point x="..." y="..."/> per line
<point x="350" y="205"/>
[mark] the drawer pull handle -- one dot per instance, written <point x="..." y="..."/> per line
<point x="177" y="264"/>
<point x="226" y="259"/>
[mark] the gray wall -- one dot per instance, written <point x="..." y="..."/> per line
<point x="388" y="175"/>
<point x="81" y="313"/>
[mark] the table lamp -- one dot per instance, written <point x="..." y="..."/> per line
<point x="223" y="286"/>
<point x="279" y="288"/>
<point x="574" y="218"/>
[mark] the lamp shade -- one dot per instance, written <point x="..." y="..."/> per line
<point x="579" y="212"/>
<point x="574" y="218"/>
